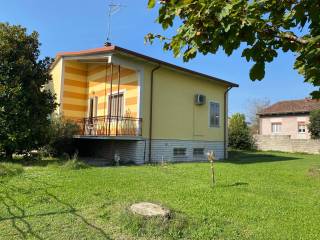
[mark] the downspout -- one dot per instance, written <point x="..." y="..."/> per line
<point x="151" y="110"/>
<point x="225" y="125"/>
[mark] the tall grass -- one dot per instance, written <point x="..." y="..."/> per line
<point x="10" y="169"/>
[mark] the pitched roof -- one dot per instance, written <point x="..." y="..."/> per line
<point x="291" y="107"/>
<point x="116" y="49"/>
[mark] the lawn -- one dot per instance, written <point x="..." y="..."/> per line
<point x="257" y="196"/>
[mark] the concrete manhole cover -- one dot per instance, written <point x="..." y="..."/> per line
<point x="149" y="209"/>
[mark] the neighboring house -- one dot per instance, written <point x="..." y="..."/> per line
<point x="288" y="118"/>
<point x="123" y="99"/>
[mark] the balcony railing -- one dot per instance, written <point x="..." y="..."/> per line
<point x="111" y="126"/>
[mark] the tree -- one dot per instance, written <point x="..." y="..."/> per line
<point x="239" y="133"/>
<point x="25" y="106"/>
<point x="314" y="125"/>
<point x="254" y="107"/>
<point x="262" y="27"/>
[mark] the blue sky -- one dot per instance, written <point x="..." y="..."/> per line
<point x="70" y="25"/>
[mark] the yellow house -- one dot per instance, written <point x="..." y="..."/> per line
<point x="139" y="108"/>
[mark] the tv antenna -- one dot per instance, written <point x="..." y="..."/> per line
<point x="113" y="8"/>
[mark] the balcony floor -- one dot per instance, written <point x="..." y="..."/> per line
<point x="100" y="137"/>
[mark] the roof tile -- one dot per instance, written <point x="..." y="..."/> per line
<point x="294" y="106"/>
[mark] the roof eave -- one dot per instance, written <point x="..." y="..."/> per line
<point x="120" y="50"/>
<point x="282" y="114"/>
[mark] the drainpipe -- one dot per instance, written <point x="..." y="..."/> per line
<point x="225" y="123"/>
<point x="151" y="111"/>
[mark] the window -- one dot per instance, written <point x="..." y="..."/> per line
<point x="214" y="114"/>
<point x="198" y="151"/>
<point x="179" y="152"/>
<point x="275" y="127"/>
<point x="302" y="127"/>
<point x="117" y="105"/>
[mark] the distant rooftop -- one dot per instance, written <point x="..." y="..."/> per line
<point x="291" y="107"/>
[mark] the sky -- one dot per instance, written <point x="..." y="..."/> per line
<point x="71" y="25"/>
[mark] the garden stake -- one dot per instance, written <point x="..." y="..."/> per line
<point x="211" y="158"/>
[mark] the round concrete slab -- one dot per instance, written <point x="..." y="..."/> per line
<point x="148" y="209"/>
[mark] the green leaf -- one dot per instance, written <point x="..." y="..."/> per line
<point x="151" y="3"/>
<point x="257" y="72"/>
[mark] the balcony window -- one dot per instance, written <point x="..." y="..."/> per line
<point x="117" y="104"/>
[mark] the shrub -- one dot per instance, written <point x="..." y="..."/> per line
<point x="314" y="125"/>
<point x="10" y="169"/>
<point x="75" y="163"/>
<point x="61" y="134"/>
<point x="239" y="133"/>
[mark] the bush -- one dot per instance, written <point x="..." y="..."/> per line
<point x="61" y="134"/>
<point x="10" y="169"/>
<point x="314" y="125"/>
<point x="75" y="164"/>
<point x="239" y="134"/>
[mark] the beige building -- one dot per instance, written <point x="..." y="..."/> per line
<point x="289" y="118"/>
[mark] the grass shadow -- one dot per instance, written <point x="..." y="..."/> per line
<point x="236" y="184"/>
<point x="18" y="216"/>
<point x="246" y="157"/>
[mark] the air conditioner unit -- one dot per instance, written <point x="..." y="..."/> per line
<point x="199" y="99"/>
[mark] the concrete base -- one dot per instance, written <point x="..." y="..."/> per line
<point x="137" y="151"/>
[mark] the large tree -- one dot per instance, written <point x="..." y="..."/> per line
<point x="314" y="125"/>
<point x="25" y="105"/>
<point x="261" y="27"/>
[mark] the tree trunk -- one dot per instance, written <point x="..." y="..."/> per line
<point x="9" y="154"/>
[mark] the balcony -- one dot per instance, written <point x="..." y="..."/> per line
<point x="111" y="126"/>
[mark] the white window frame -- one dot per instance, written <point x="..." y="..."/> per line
<point x="123" y="91"/>
<point x="305" y="127"/>
<point x="278" y="129"/>
<point x="209" y="114"/>
<point x="95" y="100"/>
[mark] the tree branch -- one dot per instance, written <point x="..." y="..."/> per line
<point x="293" y="38"/>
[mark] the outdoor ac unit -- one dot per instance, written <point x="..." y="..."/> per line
<point x="199" y="99"/>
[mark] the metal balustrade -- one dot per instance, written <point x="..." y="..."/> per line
<point x="111" y="126"/>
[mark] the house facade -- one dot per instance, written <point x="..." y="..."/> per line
<point x="140" y="109"/>
<point x="289" y="118"/>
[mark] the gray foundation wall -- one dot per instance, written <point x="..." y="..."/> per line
<point x="138" y="151"/>
<point x="285" y="143"/>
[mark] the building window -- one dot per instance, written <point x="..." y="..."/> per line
<point x="214" y="114"/>
<point x="198" y="151"/>
<point x="302" y="128"/>
<point x="276" y="127"/>
<point x="179" y="152"/>
<point x="116" y="104"/>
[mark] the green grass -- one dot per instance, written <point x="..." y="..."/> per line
<point x="257" y="196"/>
<point x="10" y="169"/>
